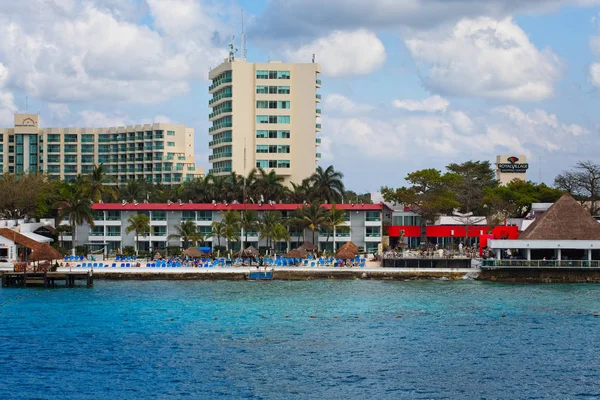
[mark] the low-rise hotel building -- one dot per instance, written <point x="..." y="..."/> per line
<point x="363" y="226"/>
<point x="158" y="153"/>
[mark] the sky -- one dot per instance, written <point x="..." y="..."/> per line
<point x="407" y="84"/>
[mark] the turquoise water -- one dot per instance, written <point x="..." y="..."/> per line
<point x="205" y="339"/>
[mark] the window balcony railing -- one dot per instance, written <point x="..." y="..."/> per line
<point x="219" y="170"/>
<point x="318" y="82"/>
<point x="218" y="83"/>
<point x="318" y="96"/>
<point x="219" y="97"/>
<point x="219" y="141"/>
<point x="318" y="140"/>
<point x="218" y="112"/>
<point x="219" y="155"/>
<point x="319" y="111"/>
<point x="318" y="126"/>
<point x="220" y="126"/>
<point x="318" y="155"/>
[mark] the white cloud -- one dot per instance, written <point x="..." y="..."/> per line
<point x="162" y="119"/>
<point x="594" y="69"/>
<point x="430" y="104"/>
<point x="337" y="102"/>
<point x="485" y="57"/>
<point x="343" y="53"/>
<point x="454" y="135"/>
<point x="97" y="119"/>
<point x="59" y="110"/>
<point x="67" y="51"/>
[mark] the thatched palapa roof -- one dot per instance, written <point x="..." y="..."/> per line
<point x="250" y="251"/>
<point x="296" y="253"/>
<point x="193" y="252"/>
<point x="566" y="219"/>
<point x="308" y="246"/>
<point x="345" y="254"/>
<point x="45" y="253"/>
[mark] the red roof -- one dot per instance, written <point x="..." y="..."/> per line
<point x="223" y="207"/>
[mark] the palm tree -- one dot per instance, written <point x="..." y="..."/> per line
<point x="335" y="218"/>
<point x="299" y="193"/>
<point x="187" y="231"/>
<point x="133" y="190"/>
<point x="315" y="217"/>
<point x="140" y="224"/>
<point x="268" y="226"/>
<point x="77" y="208"/>
<point x="218" y="230"/>
<point x="96" y="185"/>
<point x="280" y="233"/>
<point x="297" y="223"/>
<point x="328" y="184"/>
<point x="231" y="220"/>
<point x="268" y="185"/>
<point x="249" y="222"/>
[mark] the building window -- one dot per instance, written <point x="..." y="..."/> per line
<point x="71" y="158"/>
<point x="87" y="138"/>
<point x="283" y="90"/>
<point x="262" y="89"/>
<point x="283" y="119"/>
<point x="272" y="74"/>
<point x="97" y="231"/>
<point x="373" y="231"/>
<point x="113" y="216"/>
<point x="11" y="149"/>
<point x="262" y="163"/>
<point x="262" y="104"/>
<point x="160" y="230"/>
<point x="11" y="159"/>
<point x="261" y="148"/>
<point x="70" y="138"/>
<point x="262" y="134"/>
<point x="205" y="216"/>
<point x="283" y="164"/>
<point x="283" y="74"/>
<point x="87" y="148"/>
<point x="283" y="149"/>
<point x="170" y="133"/>
<point x="373" y="216"/>
<point x="262" y="119"/>
<point x="113" y="231"/>
<point x="53" y="138"/>
<point x="53" y="169"/>
<point x="283" y="104"/>
<point x="262" y="74"/>
<point x="171" y="144"/>
<point x="11" y="138"/>
<point x="283" y="134"/>
<point x="70" y="148"/>
<point x="53" y="148"/>
<point x="159" y="215"/>
<point x="188" y="216"/>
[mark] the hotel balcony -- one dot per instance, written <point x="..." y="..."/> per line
<point x="318" y="112"/>
<point x="214" y="157"/>
<point x="217" y="99"/>
<point x="223" y="170"/>
<point x="318" y="98"/>
<point x="318" y="83"/>
<point x="218" y="143"/>
<point x="219" y="84"/>
<point x="318" y="155"/>
<point x="318" y="141"/>
<point x="318" y="127"/>
<point x="213" y="115"/>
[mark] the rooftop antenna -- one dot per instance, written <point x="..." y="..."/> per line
<point x="313" y="59"/>
<point x="243" y="38"/>
<point x="244" y="170"/>
<point x="232" y="49"/>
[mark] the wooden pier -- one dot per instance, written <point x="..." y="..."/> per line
<point x="46" y="279"/>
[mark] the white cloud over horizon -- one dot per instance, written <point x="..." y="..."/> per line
<point x="343" y="53"/>
<point x="430" y="104"/>
<point x="484" y="57"/>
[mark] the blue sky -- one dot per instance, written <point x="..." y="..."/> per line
<point x="407" y="84"/>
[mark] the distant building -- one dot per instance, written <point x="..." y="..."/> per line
<point x="509" y="168"/>
<point x="265" y="115"/>
<point x="158" y="153"/>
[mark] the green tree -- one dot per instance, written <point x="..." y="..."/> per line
<point x="268" y="186"/>
<point x="26" y="195"/>
<point x="583" y="182"/>
<point x="77" y="208"/>
<point x="140" y="224"/>
<point x="187" y="232"/>
<point x="268" y="223"/>
<point x="315" y="217"/>
<point x="327" y="184"/>
<point x="514" y="200"/>
<point x="231" y="221"/>
<point x="335" y="217"/>
<point x="473" y="179"/>
<point x="430" y="195"/>
<point x="97" y="187"/>
<point x="249" y="222"/>
<point x="219" y="230"/>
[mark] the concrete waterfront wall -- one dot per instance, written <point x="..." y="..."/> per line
<point x="426" y="263"/>
<point x="542" y="275"/>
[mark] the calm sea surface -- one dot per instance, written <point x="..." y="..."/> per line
<point x="169" y="340"/>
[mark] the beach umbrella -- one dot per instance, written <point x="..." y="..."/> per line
<point x="345" y="254"/>
<point x="308" y="246"/>
<point x="349" y="246"/>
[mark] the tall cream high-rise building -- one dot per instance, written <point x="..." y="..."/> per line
<point x="265" y="115"/>
<point x="157" y="153"/>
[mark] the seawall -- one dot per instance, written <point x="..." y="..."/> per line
<point x="541" y="275"/>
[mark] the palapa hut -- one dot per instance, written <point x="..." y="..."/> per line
<point x="250" y="251"/>
<point x="349" y="246"/>
<point x="296" y="253"/>
<point x="565" y="232"/>
<point x="45" y="253"/>
<point x="308" y="246"/>
<point x="345" y="254"/>
<point x="193" y="252"/>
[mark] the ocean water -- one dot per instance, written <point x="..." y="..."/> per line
<point x="218" y="339"/>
